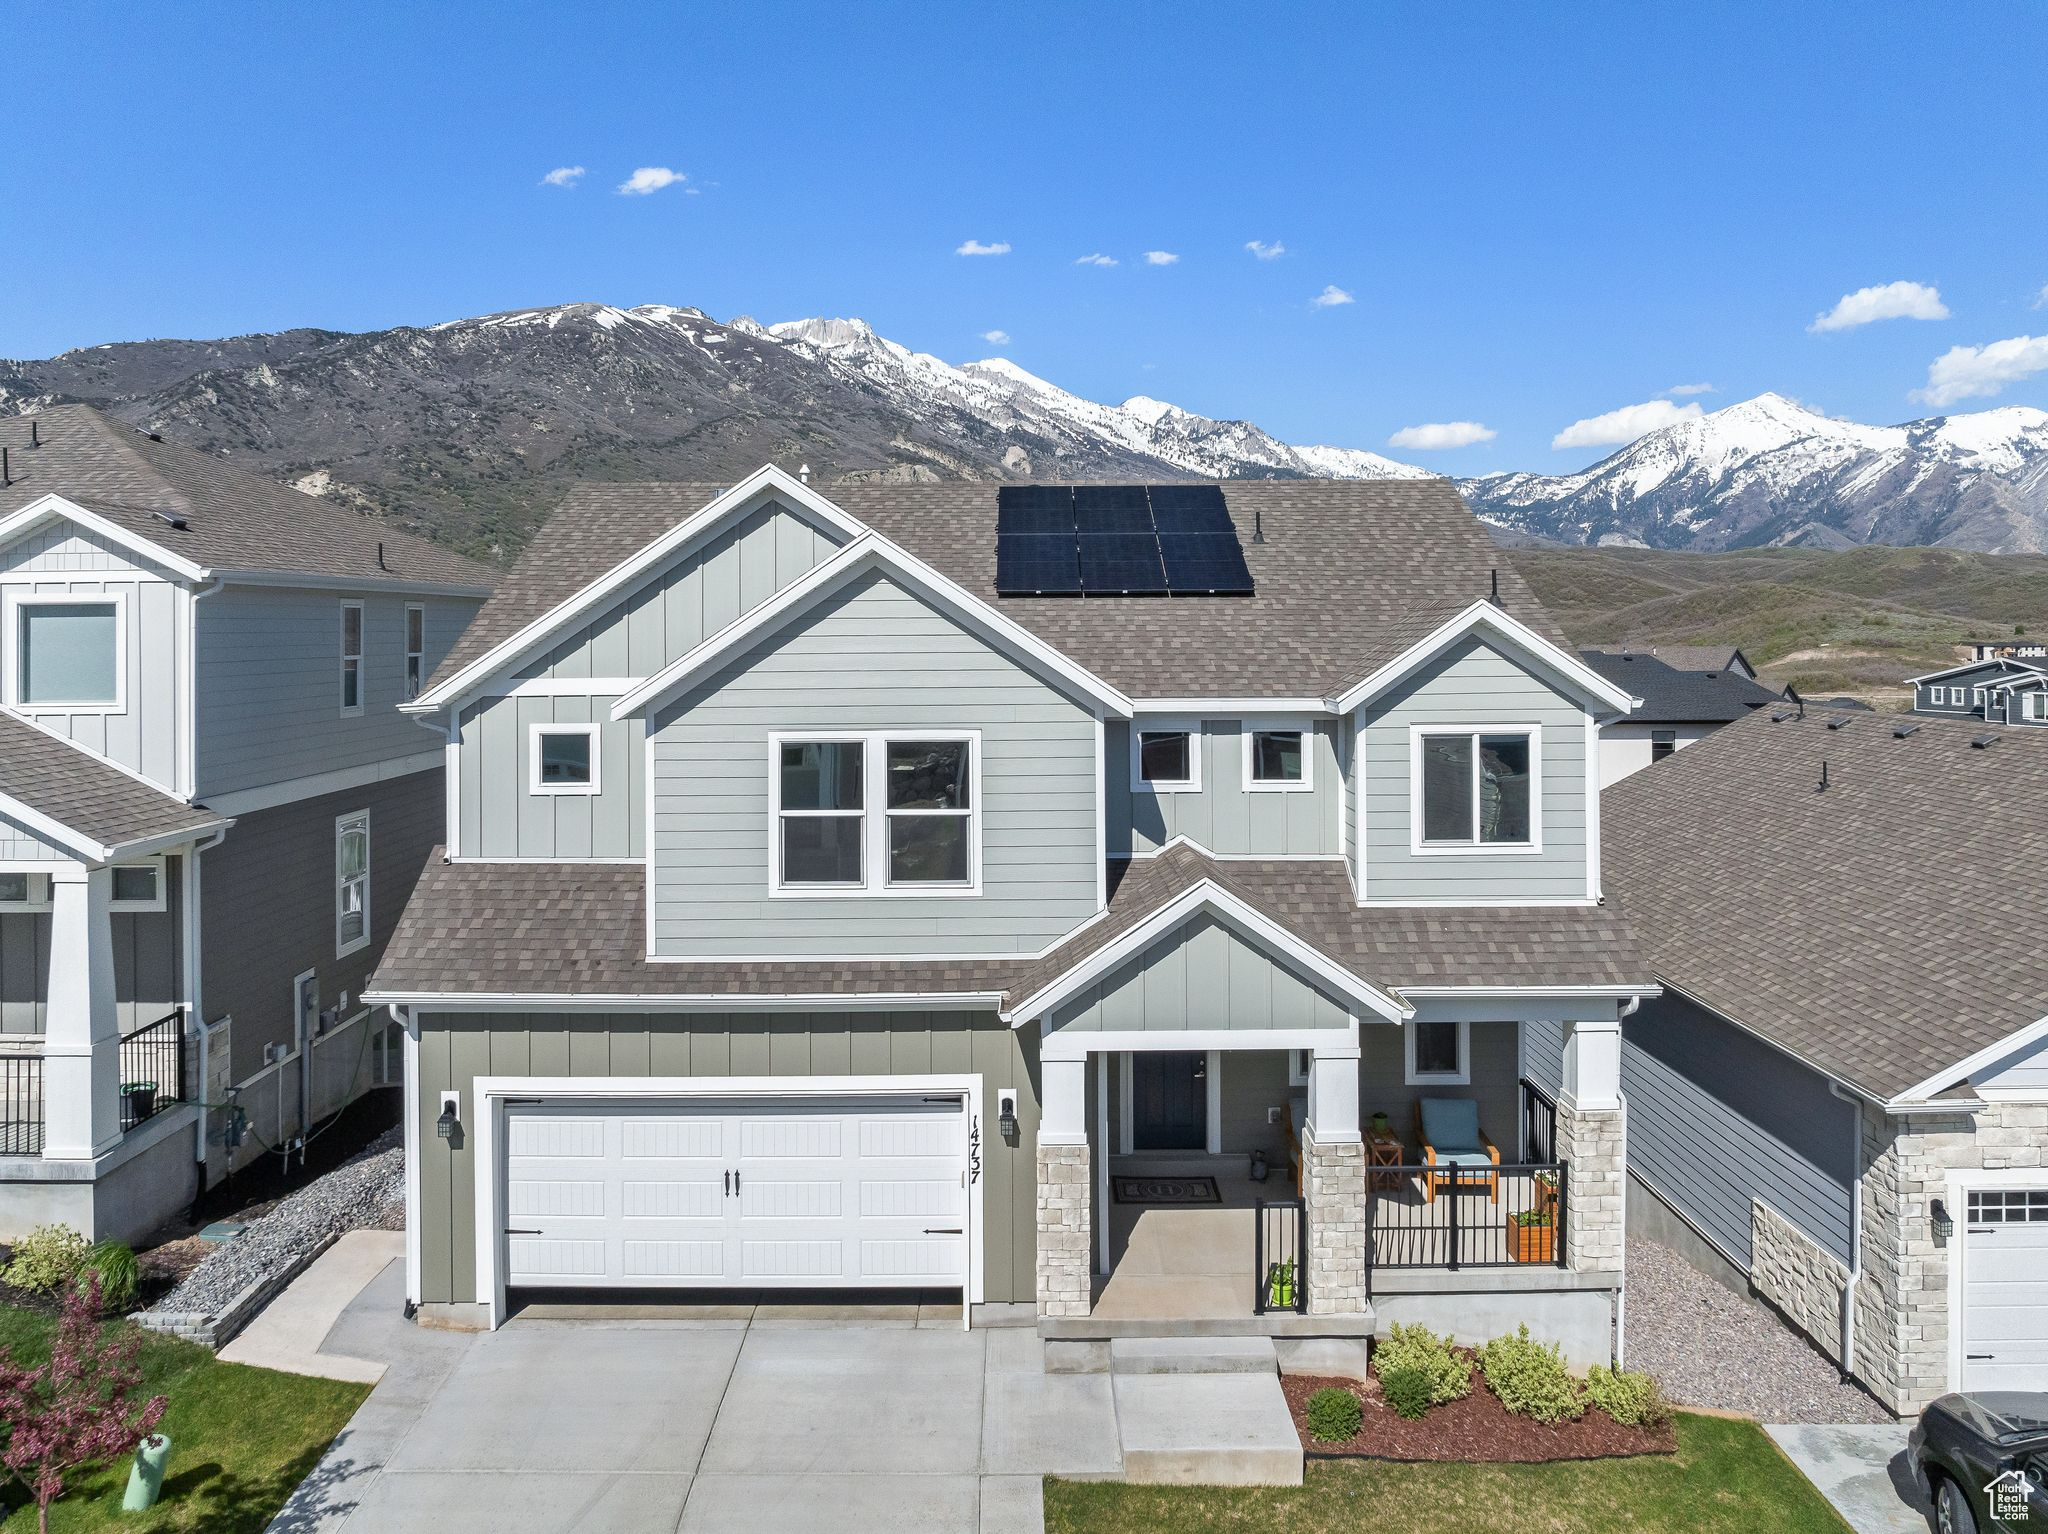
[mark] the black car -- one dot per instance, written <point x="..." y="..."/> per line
<point x="1982" y="1459"/>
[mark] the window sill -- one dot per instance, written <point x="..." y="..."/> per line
<point x="1166" y="788"/>
<point x="1473" y="849"/>
<point x="1280" y="788"/>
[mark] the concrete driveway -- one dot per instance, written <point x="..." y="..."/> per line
<point x="885" y="1421"/>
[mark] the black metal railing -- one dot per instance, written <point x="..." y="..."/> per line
<point x="1539" y="1123"/>
<point x="21" y="1105"/>
<point x="1280" y="1255"/>
<point x="1435" y="1216"/>
<point x="152" y="1068"/>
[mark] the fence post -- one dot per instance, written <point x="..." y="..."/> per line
<point x="1258" y="1257"/>
<point x="1558" y="1235"/>
<point x="1301" y="1257"/>
<point x="1455" y="1183"/>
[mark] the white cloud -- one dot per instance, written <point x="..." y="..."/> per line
<point x="1625" y="424"/>
<point x="1886" y="301"/>
<point x="1331" y="297"/>
<point x="2041" y="298"/>
<point x="1438" y="435"/>
<point x="1684" y="389"/>
<point x="976" y="248"/>
<point x="1964" y="372"/>
<point x="996" y="337"/>
<point x="1098" y="259"/>
<point x="649" y="179"/>
<point x="1265" y="252"/>
<point x="1160" y="258"/>
<point x="563" y="175"/>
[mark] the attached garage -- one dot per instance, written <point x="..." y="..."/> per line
<point x="2004" y="1323"/>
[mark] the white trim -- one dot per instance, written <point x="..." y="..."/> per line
<point x="867" y="552"/>
<point x="2035" y="663"/>
<point x="874" y="817"/>
<point x="1212" y="1071"/>
<point x="558" y="687"/>
<point x="16" y="601"/>
<point x="343" y="823"/>
<point x="686" y="1001"/>
<point x="1249" y="730"/>
<point x="1126" y="1101"/>
<point x="1418" y="847"/>
<point x="535" y="784"/>
<point x="1230" y="708"/>
<point x="1101" y="816"/>
<point x="1956" y="1195"/>
<point x="1297" y="1069"/>
<point x="2018" y="1039"/>
<point x="342" y="657"/>
<point x="383" y="584"/>
<point x="1455" y="902"/>
<point x="1101" y="1159"/>
<point x="1591" y="804"/>
<point x="157" y="903"/>
<point x="488" y="1092"/>
<point x="247" y="801"/>
<point x="54" y="506"/>
<point x="1516" y="992"/>
<point x="624" y="862"/>
<point x="1461" y="1077"/>
<point x="1484" y="615"/>
<point x="1197" y="749"/>
<point x="1071" y="1044"/>
<point x="451" y="782"/>
<point x="406" y="684"/>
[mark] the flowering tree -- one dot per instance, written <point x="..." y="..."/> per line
<point x="76" y="1408"/>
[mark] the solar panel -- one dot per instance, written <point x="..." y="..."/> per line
<point x="1190" y="509"/>
<point x="1035" y="509"/>
<point x="1112" y="509"/>
<point x="1211" y="562"/>
<point x="1037" y="564"/>
<point x="1121" y="562"/>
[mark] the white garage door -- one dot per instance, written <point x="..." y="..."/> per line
<point x="2005" y="1290"/>
<point x="771" y="1193"/>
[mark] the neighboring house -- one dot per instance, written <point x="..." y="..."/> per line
<point x="211" y="810"/>
<point x="1699" y="657"/>
<point x="826" y="906"/>
<point x="1840" y="1100"/>
<point x="2011" y="649"/>
<point x="1999" y="690"/>
<point x="1678" y="707"/>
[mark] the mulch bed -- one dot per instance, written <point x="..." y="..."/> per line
<point x="1477" y="1430"/>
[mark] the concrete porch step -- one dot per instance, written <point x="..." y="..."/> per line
<point x="1192" y="1355"/>
<point x="1206" y="1430"/>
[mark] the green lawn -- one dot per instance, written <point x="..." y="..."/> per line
<point x="241" y="1439"/>
<point x="1726" y="1478"/>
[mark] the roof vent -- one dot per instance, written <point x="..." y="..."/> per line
<point x="1837" y="721"/>
<point x="164" y="516"/>
<point x="154" y="436"/>
<point x="1823" y="774"/>
<point x="1904" y="728"/>
<point x="1987" y="739"/>
<point x="35" y="437"/>
<point x="1780" y="715"/>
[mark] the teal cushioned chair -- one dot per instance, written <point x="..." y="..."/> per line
<point x="1449" y="1132"/>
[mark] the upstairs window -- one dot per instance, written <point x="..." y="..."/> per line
<point x="565" y="759"/>
<point x="930" y="818"/>
<point x="1662" y="744"/>
<point x="351" y="882"/>
<point x="2034" y="705"/>
<point x="1475" y="790"/>
<point x="1277" y="760"/>
<point x="922" y="838"/>
<point x="822" y="812"/>
<point x="68" y="653"/>
<point x="415" y="649"/>
<point x="1166" y="760"/>
<point x="351" y="657"/>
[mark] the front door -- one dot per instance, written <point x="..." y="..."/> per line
<point x="1170" y="1100"/>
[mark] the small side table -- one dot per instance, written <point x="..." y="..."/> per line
<point x="1384" y="1151"/>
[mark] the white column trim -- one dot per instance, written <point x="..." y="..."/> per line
<point x="1591" y="1079"/>
<point x="1333" y="1095"/>
<point x="82" y="1025"/>
<point x="1213" y="1136"/>
<point x="1063" y="1116"/>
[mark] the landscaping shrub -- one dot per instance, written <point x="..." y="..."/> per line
<point x="47" y="1259"/>
<point x="1629" y="1396"/>
<point x="1530" y="1378"/>
<point x="1334" y="1415"/>
<point x="1447" y="1371"/>
<point x="1407" y="1391"/>
<point x="120" y="1274"/>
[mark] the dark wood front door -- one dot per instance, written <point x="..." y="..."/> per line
<point x="1170" y="1100"/>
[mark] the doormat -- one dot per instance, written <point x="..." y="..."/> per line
<point x="1166" y="1190"/>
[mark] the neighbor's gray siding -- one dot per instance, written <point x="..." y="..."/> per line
<point x="1224" y="816"/>
<point x="2024" y="1070"/>
<point x="872" y="656"/>
<point x="674" y="611"/>
<point x="266" y="895"/>
<point x="1201" y="975"/>
<point x="270" y="683"/>
<point x="149" y="961"/>
<point x="501" y="816"/>
<point x="455" y="1049"/>
<point x="1474" y="683"/>
<point x="1383" y="1083"/>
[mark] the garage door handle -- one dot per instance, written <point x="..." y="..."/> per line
<point x="952" y="1230"/>
<point x="735" y="1180"/>
<point x="728" y="1185"/>
<point x="1980" y="1357"/>
<point x="523" y="1232"/>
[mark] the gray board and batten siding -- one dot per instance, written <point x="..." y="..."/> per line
<point x="1223" y="815"/>
<point x="455" y="1049"/>
<point x="871" y="656"/>
<point x="149" y="961"/>
<point x="1201" y="975"/>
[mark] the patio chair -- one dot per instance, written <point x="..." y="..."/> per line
<point x="1448" y="1128"/>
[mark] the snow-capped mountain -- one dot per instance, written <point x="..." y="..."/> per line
<point x="1772" y="471"/>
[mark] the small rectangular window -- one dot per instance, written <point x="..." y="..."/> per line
<point x="565" y="759"/>
<point x="351" y="882"/>
<point x="1477" y="790"/>
<point x="1277" y="759"/>
<point x="1166" y="759"/>
<point x="1439" y="1053"/>
<point x="822" y="811"/>
<point x="415" y="649"/>
<point x="1662" y="744"/>
<point x="68" y="654"/>
<point x="24" y="892"/>
<point x="351" y="657"/>
<point x="139" y="886"/>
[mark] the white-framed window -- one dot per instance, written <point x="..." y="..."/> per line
<point x="139" y="886"/>
<point x="1279" y="757"/>
<point x="565" y="759"/>
<point x="885" y="812"/>
<point x="351" y="882"/>
<point x="2034" y="705"/>
<point x="351" y="657"/>
<point x="1476" y="788"/>
<point x="1166" y="757"/>
<point x="1976" y="697"/>
<point x="22" y="891"/>
<point x="1439" y="1054"/>
<point x="1298" y="1063"/>
<point x="415" y="649"/>
<point x="68" y="652"/>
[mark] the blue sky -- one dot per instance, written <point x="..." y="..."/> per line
<point x="1539" y="214"/>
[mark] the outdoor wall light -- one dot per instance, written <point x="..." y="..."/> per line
<point x="1944" y="1227"/>
<point x="449" y="1122"/>
<point x="1006" y="1116"/>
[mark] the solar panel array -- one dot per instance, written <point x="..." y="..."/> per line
<point x="1117" y="540"/>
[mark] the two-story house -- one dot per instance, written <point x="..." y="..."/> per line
<point x="1998" y="689"/>
<point x="926" y="886"/>
<point x="211" y="810"/>
<point x="1677" y="706"/>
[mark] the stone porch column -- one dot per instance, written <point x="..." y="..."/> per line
<point x="1592" y="1139"/>
<point x="1333" y="1184"/>
<point x="1065" y="1202"/>
<point x="82" y="1027"/>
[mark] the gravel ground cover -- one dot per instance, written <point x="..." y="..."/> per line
<point x="1709" y="1346"/>
<point x="367" y="1192"/>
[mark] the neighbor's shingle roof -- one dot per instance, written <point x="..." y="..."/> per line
<point x="77" y="790"/>
<point x="564" y="930"/>
<point x="1346" y="569"/>
<point x="1858" y="927"/>
<point x="1671" y="696"/>
<point x="1696" y="657"/>
<point x="235" y="519"/>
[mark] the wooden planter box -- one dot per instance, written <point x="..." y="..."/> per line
<point x="1532" y="1243"/>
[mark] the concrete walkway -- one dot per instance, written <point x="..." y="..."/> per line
<point x="290" y="1331"/>
<point x="1862" y="1470"/>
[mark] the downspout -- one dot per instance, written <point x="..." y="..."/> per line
<point x="195" y="1011"/>
<point x="1855" y="1228"/>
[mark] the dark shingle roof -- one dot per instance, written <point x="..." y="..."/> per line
<point x="235" y="519"/>
<point x="1345" y="563"/>
<point x="81" y="792"/>
<point x="527" y="928"/>
<point x="1699" y="657"/>
<point x="1857" y="927"/>
<point x="1671" y="696"/>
